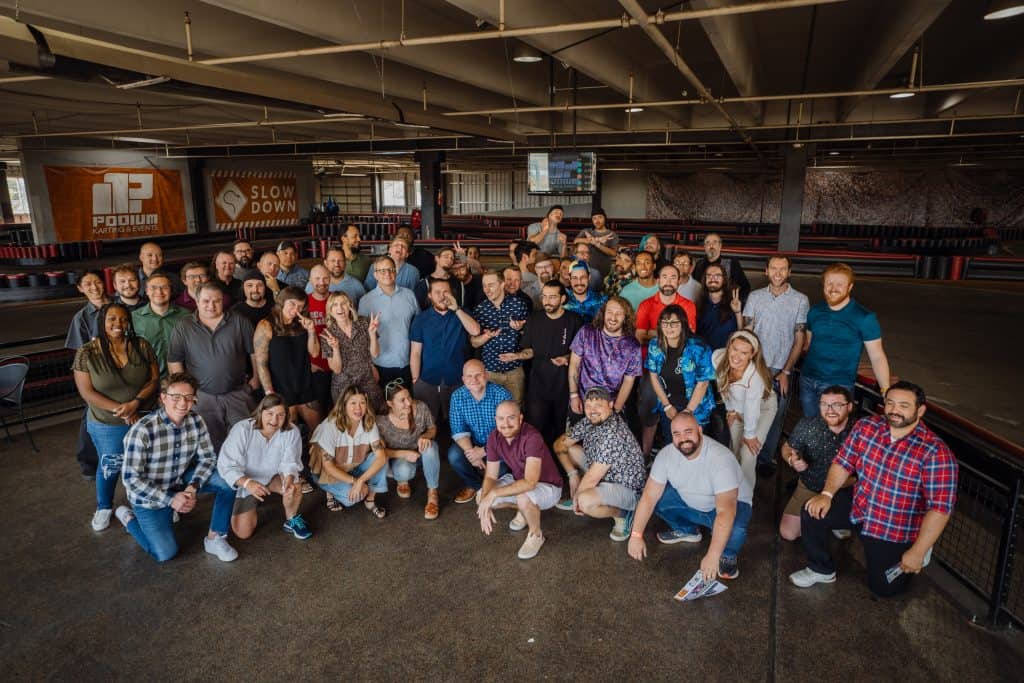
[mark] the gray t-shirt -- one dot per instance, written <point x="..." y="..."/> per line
<point x="608" y="238"/>
<point x="218" y="359"/>
<point x="715" y="470"/>
<point x="692" y="290"/>
<point x="550" y="244"/>
<point x="775" y="321"/>
<point x="396" y="438"/>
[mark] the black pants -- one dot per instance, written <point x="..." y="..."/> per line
<point x="880" y="555"/>
<point x="389" y="374"/>
<point x="546" y="413"/>
<point x="437" y="397"/>
<point x="85" y="451"/>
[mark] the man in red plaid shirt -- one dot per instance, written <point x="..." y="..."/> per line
<point x="904" y="495"/>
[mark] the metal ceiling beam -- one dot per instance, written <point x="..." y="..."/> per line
<point x="734" y="40"/>
<point x="893" y="33"/>
<point x="15" y="36"/>
<point x="1009" y="67"/>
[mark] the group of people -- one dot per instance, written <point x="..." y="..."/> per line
<point x="549" y="383"/>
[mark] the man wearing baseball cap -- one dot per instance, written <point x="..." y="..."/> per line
<point x="291" y="273"/>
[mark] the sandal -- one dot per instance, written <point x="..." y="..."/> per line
<point x="404" y="490"/>
<point x="375" y="510"/>
<point x="306" y="486"/>
<point x="431" y="510"/>
<point x="333" y="505"/>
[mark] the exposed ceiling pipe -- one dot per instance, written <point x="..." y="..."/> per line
<point x="595" y="25"/>
<point x="658" y="38"/>
<point x="977" y="85"/>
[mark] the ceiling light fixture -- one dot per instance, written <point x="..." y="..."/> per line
<point x="909" y="92"/>
<point x="1004" y="9"/>
<point x="634" y="110"/>
<point x="833" y="154"/>
<point x="525" y="54"/>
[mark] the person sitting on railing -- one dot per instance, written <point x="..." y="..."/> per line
<point x="905" y="493"/>
<point x="126" y="284"/>
<point x="837" y="329"/>
<point x="545" y="233"/>
<point x="602" y="240"/>
<point x="117" y="375"/>
<point x="732" y="267"/>
<point x="810" y="450"/>
<point x="83" y="328"/>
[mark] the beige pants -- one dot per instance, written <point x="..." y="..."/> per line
<point x="514" y="381"/>
<point x="748" y="460"/>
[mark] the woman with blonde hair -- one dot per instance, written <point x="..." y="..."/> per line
<point x="350" y="343"/>
<point x="750" y="403"/>
<point x="346" y="454"/>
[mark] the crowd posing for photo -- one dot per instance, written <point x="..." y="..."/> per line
<point x="583" y="376"/>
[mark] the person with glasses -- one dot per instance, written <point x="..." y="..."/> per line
<point x="680" y="371"/>
<point x="346" y="454"/>
<point x="903" y="498"/>
<point x="810" y="450"/>
<point x="194" y="275"/>
<point x="750" y="404"/>
<point x="689" y="286"/>
<point x="243" y="252"/>
<point x="620" y="273"/>
<point x="722" y="312"/>
<point x="732" y="268"/>
<point x="406" y="274"/>
<point x="394" y="306"/>
<point x="155" y="321"/>
<point x="409" y="434"/>
<point x="262" y="455"/>
<point x="169" y="460"/>
<point x="117" y="376"/>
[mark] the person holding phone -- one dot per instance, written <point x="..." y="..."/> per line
<point x="284" y="344"/>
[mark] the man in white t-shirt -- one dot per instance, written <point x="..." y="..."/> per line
<point x="696" y="482"/>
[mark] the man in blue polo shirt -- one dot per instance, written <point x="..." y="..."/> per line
<point x="837" y="330"/>
<point x="471" y="416"/>
<point x="438" y="348"/>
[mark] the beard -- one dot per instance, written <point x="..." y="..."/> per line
<point x="550" y="308"/>
<point x="687" y="446"/>
<point x="897" y="421"/>
<point x="667" y="290"/>
<point x="713" y="289"/>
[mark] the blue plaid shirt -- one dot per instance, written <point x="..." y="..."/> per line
<point x="157" y="454"/>
<point x="695" y="366"/>
<point x="472" y="418"/>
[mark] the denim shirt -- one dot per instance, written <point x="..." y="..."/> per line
<point x="695" y="366"/>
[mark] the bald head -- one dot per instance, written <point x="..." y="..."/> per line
<point x="508" y="419"/>
<point x="320" y="279"/>
<point x="686" y="434"/>
<point x="474" y="376"/>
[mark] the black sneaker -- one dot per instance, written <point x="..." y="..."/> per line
<point x="728" y="568"/>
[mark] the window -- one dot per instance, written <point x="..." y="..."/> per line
<point x="392" y="192"/>
<point x="19" y="200"/>
<point x="419" y="200"/>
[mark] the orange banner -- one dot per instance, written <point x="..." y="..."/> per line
<point x="90" y="202"/>
<point x="253" y="199"/>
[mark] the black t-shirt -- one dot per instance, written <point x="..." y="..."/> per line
<point x="550" y="338"/>
<point x="468" y="294"/>
<point x="255" y="315"/>
<point x="675" y="385"/>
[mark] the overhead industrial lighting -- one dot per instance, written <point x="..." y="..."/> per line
<point x="833" y="154"/>
<point x="525" y="54"/>
<point x="634" y="110"/>
<point x="909" y="92"/>
<point x="1004" y="9"/>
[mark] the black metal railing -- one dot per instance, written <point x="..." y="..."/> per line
<point x="50" y="384"/>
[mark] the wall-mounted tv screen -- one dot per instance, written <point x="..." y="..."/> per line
<point x="562" y="173"/>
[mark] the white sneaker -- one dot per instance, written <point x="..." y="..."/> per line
<point x="218" y="545"/>
<point x="124" y="515"/>
<point x="531" y="546"/>
<point x="101" y="519"/>
<point x="842" y="534"/>
<point x="518" y="522"/>
<point x="620" y="532"/>
<point x="807" y="577"/>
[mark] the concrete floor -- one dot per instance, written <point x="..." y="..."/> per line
<point x="406" y="599"/>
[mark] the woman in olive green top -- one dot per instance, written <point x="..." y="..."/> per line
<point x="117" y="375"/>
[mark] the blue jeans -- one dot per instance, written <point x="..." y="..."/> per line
<point x="771" y="441"/>
<point x="683" y="518"/>
<point x="472" y="477"/>
<point x="154" y="528"/>
<point x="109" y="442"/>
<point x="378" y="483"/>
<point x="403" y="470"/>
<point x="810" y="393"/>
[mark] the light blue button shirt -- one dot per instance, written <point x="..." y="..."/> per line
<point x="396" y="313"/>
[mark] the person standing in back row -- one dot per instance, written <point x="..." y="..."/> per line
<point x="546" y="235"/>
<point x="731" y="267"/>
<point x="603" y="242"/>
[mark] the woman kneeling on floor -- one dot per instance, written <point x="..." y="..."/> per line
<point x="262" y="455"/>
<point x="408" y="431"/>
<point x="346" y="455"/>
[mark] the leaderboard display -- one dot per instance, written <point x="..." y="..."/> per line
<point x="562" y="173"/>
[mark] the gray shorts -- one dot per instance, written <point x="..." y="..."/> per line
<point x="617" y="495"/>
<point x="246" y="504"/>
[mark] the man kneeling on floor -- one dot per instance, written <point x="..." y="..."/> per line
<point x="532" y="483"/>
<point x="609" y="454"/>
<point x="904" y="495"/>
<point x="696" y="482"/>
<point x="168" y="460"/>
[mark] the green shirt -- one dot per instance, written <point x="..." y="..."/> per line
<point x="359" y="267"/>
<point x="157" y="330"/>
<point x="121" y="385"/>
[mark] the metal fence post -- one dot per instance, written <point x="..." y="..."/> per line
<point x="1007" y="551"/>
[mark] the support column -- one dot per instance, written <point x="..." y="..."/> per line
<point x="793" y="177"/>
<point x="431" y="193"/>
<point x="6" y="210"/>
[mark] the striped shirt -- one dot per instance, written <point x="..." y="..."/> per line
<point x="158" y="453"/>
<point x="898" y="482"/>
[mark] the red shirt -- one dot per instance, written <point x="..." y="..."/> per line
<point x="317" y="311"/>
<point x="649" y="310"/>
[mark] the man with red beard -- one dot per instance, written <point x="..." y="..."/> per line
<point x="903" y="498"/>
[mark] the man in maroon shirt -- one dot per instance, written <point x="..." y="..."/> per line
<point x="531" y="483"/>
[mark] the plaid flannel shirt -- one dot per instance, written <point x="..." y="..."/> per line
<point x="898" y="482"/>
<point x="158" y="453"/>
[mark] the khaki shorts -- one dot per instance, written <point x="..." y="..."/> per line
<point x="800" y="496"/>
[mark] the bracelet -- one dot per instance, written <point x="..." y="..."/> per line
<point x="574" y="394"/>
<point x="826" y="493"/>
<point x="635" y="534"/>
<point x="787" y="373"/>
<point x="572" y="472"/>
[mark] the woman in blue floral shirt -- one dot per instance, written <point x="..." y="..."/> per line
<point x="680" y="370"/>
